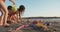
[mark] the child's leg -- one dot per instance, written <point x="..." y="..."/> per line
<point x="20" y="17"/>
<point x="2" y="16"/>
<point x="6" y="12"/>
<point x="14" y="18"/>
<point x="17" y="15"/>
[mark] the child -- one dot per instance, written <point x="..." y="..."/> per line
<point x="5" y="15"/>
<point x="11" y="15"/>
<point x="21" y="9"/>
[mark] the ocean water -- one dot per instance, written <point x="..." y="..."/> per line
<point x="56" y="19"/>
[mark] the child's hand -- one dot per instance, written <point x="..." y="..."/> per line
<point x="12" y="2"/>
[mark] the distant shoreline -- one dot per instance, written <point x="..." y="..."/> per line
<point x="40" y="17"/>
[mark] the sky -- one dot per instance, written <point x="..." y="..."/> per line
<point x="42" y="8"/>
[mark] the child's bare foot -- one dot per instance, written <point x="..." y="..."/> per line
<point x="1" y="24"/>
<point x="6" y="24"/>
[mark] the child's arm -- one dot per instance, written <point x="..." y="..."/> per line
<point x="12" y="2"/>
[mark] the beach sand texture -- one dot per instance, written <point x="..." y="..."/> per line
<point x="54" y="27"/>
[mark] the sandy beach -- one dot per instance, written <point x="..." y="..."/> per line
<point x="54" y="27"/>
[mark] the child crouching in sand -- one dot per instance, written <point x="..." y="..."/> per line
<point x="15" y="15"/>
<point x="11" y="15"/>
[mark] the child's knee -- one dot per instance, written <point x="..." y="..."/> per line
<point x="6" y="12"/>
<point x="2" y="12"/>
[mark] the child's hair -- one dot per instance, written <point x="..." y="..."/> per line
<point x="9" y="7"/>
<point x="21" y="8"/>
